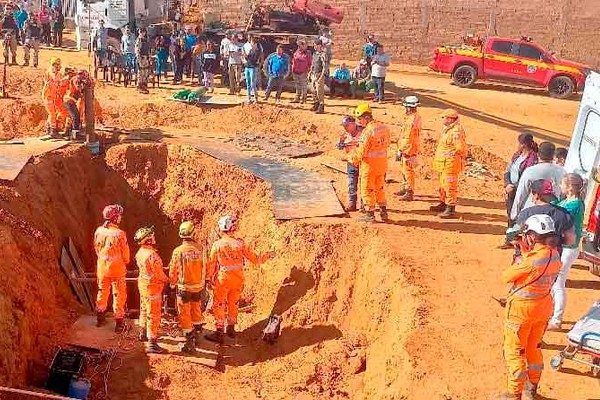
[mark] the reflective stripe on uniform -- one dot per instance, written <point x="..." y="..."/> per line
<point x="155" y="297"/>
<point x="226" y="268"/>
<point x="528" y="295"/>
<point x="543" y="261"/>
<point x="535" y="367"/>
<point x="194" y="286"/>
<point x="376" y="154"/>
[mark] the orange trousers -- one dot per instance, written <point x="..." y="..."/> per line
<point x="119" y="290"/>
<point x="150" y="314"/>
<point x="372" y="183"/>
<point x="408" y="173"/>
<point x="190" y="311"/>
<point x="226" y="300"/>
<point x="57" y="114"/>
<point x="524" y="329"/>
<point x="448" y="188"/>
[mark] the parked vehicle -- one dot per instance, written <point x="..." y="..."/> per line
<point x="584" y="159"/>
<point x="517" y="61"/>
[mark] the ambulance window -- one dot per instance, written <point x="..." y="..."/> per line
<point x="502" y="46"/>
<point x="590" y="141"/>
<point x="527" y="51"/>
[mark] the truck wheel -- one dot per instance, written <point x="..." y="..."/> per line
<point x="561" y="87"/>
<point x="464" y="76"/>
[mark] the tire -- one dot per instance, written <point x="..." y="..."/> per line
<point x="464" y="76"/>
<point x="561" y="87"/>
<point x="595" y="269"/>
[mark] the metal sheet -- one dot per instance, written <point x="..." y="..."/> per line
<point x="275" y="145"/>
<point x="14" y="156"/>
<point x="296" y="193"/>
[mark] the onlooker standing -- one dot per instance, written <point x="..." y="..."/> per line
<point x="20" y="17"/>
<point x="100" y="44"/>
<point x="235" y="65"/>
<point x="341" y="79"/>
<point x="370" y="49"/>
<point x="318" y="70"/>
<point x="560" y="156"/>
<point x="8" y="23"/>
<point x="128" y="41"/>
<point x="177" y="53"/>
<point x="277" y="68"/>
<point x="58" y="25"/>
<point x="379" y="63"/>
<point x="327" y="41"/>
<point x="210" y="66"/>
<point x="361" y="78"/>
<point x="197" y="52"/>
<point x="224" y="55"/>
<point x="161" y="52"/>
<point x="142" y="54"/>
<point x="190" y="40"/>
<point x="301" y="63"/>
<point x="32" y="34"/>
<point x="44" y="18"/>
<point x="251" y="62"/>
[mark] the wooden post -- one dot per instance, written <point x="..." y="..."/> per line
<point x="90" y="118"/>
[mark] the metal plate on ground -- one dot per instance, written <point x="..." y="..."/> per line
<point x="274" y="145"/>
<point x="296" y="193"/>
<point x="14" y="156"/>
<point x="85" y="333"/>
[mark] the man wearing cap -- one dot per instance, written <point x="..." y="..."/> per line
<point x="545" y="169"/>
<point x="301" y="63"/>
<point x="318" y="71"/>
<point x="370" y="48"/>
<point x="408" y="146"/>
<point x="449" y="161"/>
<point x="348" y="142"/>
<point x="361" y="78"/>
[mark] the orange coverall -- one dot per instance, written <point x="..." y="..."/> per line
<point x="55" y="87"/>
<point x="112" y="250"/>
<point x="186" y="270"/>
<point x="151" y="282"/>
<point x="529" y="308"/>
<point x="371" y="159"/>
<point x="226" y="267"/>
<point x="449" y="161"/>
<point x="408" y="145"/>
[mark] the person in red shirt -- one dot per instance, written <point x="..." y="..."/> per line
<point x="301" y="62"/>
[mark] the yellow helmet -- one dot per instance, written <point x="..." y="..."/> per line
<point x="186" y="229"/>
<point x="450" y="113"/>
<point x="55" y="60"/>
<point x="362" y="109"/>
<point x="143" y="234"/>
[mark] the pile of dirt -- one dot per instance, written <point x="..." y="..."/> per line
<point x="20" y="118"/>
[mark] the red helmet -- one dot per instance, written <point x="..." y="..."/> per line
<point x="112" y="212"/>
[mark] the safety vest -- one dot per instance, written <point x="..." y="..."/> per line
<point x="112" y="250"/>
<point x="539" y="270"/>
<point x="152" y="277"/>
<point x="54" y="86"/>
<point x="451" y="150"/>
<point x="227" y="257"/>
<point x="186" y="269"/>
<point x="373" y="144"/>
<point x="410" y="135"/>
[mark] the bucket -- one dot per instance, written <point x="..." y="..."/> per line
<point x="94" y="147"/>
<point x="79" y="388"/>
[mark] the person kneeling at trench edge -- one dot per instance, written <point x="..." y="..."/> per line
<point x="226" y="266"/>
<point x="110" y="243"/>
<point x="151" y="282"/>
<point x="187" y="274"/>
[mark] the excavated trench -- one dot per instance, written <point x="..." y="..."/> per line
<point x="346" y="305"/>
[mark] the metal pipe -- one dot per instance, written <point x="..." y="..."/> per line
<point x="36" y="394"/>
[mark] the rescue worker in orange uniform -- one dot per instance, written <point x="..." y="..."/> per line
<point x="73" y="101"/>
<point x="52" y="94"/>
<point x="408" y="147"/>
<point x="151" y="282"/>
<point x="529" y="305"/>
<point x="348" y="142"/>
<point x="226" y="266"/>
<point x="371" y="158"/>
<point x="449" y="162"/>
<point x="112" y="250"/>
<point x="187" y="273"/>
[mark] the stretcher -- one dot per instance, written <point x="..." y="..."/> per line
<point x="583" y="342"/>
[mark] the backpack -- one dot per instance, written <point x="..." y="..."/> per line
<point x="272" y="329"/>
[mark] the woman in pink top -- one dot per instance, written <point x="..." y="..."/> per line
<point x="44" y="18"/>
<point x="301" y="62"/>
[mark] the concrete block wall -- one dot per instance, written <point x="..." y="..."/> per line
<point x="410" y="29"/>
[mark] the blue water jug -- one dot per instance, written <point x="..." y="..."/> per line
<point x="79" y="388"/>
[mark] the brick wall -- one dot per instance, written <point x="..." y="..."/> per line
<point x="410" y="29"/>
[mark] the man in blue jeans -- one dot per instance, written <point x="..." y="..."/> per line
<point x="277" y="68"/>
<point x="349" y="142"/>
<point x="379" y="63"/>
<point x="251" y="57"/>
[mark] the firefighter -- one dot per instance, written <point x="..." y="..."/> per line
<point x="52" y="93"/>
<point x="73" y="101"/>
<point x="226" y="267"/>
<point x="449" y="161"/>
<point x="371" y="159"/>
<point x="408" y="147"/>
<point x="348" y="142"/>
<point x="529" y="305"/>
<point x="151" y="282"/>
<point x="112" y="250"/>
<point x="187" y="275"/>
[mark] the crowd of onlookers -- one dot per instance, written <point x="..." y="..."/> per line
<point x="30" y="29"/>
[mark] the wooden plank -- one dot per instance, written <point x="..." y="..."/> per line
<point x="84" y="332"/>
<point x="336" y="165"/>
<point x="69" y="270"/>
<point x="81" y="273"/>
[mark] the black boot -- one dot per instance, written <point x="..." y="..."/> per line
<point x="100" y="318"/>
<point x="351" y="205"/>
<point x="320" y="109"/>
<point x="216" y="337"/>
<point x="441" y="206"/>
<point x="368" y="217"/>
<point x="119" y="325"/>
<point x="315" y="107"/>
<point x="189" y="345"/>
<point x="383" y="213"/>
<point x="198" y="333"/>
<point x="153" y="347"/>
<point x="230" y="331"/>
<point x="143" y="336"/>
<point x="447" y="213"/>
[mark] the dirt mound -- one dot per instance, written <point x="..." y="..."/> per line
<point x="24" y="82"/>
<point x="21" y="118"/>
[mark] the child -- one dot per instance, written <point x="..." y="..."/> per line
<point x="572" y="186"/>
<point x="560" y="156"/>
<point x="210" y="66"/>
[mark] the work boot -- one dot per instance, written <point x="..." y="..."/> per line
<point x="152" y="347"/>
<point x="407" y="196"/>
<point x="441" y="206"/>
<point x="314" y="107"/>
<point x="368" y="217"/>
<point x="401" y="192"/>
<point x="351" y="206"/>
<point x="216" y="337"/>
<point x="198" y="333"/>
<point x="100" y="318"/>
<point x="447" y="213"/>
<point x="383" y="213"/>
<point x="230" y="331"/>
<point x="320" y="109"/>
<point x="14" y="61"/>
<point x="54" y="133"/>
<point x="119" y="325"/>
<point x="75" y="134"/>
<point x="143" y="336"/>
<point x="530" y="392"/>
<point x="189" y="346"/>
<point x="26" y="64"/>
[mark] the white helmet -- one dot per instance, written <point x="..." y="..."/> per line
<point x="410" y="101"/>
<point x="541" y="224"/>
<point x="226" y="222"/>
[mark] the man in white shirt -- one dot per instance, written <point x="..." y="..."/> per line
<point x="235" y="65"/>
<point x="379" y="64"/>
